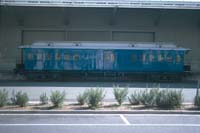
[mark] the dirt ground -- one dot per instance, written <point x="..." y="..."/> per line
<point x="103" y="106"/>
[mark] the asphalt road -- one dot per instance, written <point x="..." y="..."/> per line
<point x="98" y="123"/>
<point x="72" y="89"/>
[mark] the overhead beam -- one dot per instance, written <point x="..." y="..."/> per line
<point x="175" y="4"/>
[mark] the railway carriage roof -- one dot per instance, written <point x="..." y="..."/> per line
<point x="106" y="45"/>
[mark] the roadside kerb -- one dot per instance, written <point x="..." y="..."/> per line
<point x="98" y="112"/>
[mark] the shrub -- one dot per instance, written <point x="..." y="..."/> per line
<point x="197" y="99"/>
<point x="169" y="99"/>
<point x="3" y="97"/>
<point x="13" y="98"/>
<point x="81" y="98"/>
<point x="134" y="98"/>
<point x="57" y="98"/>
<point x="120" y="94"/>
<point x="148" y="97"/>
<point x="95" y="96"/>
<point x="20" y="98"/>
<point x="44" y="98"/>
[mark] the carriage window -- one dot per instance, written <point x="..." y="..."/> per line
<point x="178" y="58"/>
<point x="48" y="56"/>
<point x="112" y="57"/>
<point x="30" y="56"/>
<point x="66" y="57"/>
<point x="144" y="58"/>
<point x="160" y="57"/>
<point x="151" y="57"/>
<point x="39" y="56"/>
<point x="109" y="56"/>
<point x="57" y="56"/>
<point x="169" y="58"/>
<point x="76" y="57"/>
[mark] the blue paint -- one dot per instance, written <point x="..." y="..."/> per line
<point x="124" y="60"/>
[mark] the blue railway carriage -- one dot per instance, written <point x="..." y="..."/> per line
<point x="128" y="60"/>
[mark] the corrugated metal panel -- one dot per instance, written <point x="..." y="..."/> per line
<point x="88" y="35"/>
<point x="167" y="4"/>
<point x="30" y="37"/>
<point x="133" y="36"/>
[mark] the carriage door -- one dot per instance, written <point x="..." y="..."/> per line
<point x="39" y="62"/>
<point x="109" y="60"/>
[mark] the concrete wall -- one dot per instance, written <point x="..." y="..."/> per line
<point x="24" y="25"/>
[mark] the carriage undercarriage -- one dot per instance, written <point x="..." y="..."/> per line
<point x="102" y="76"/>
